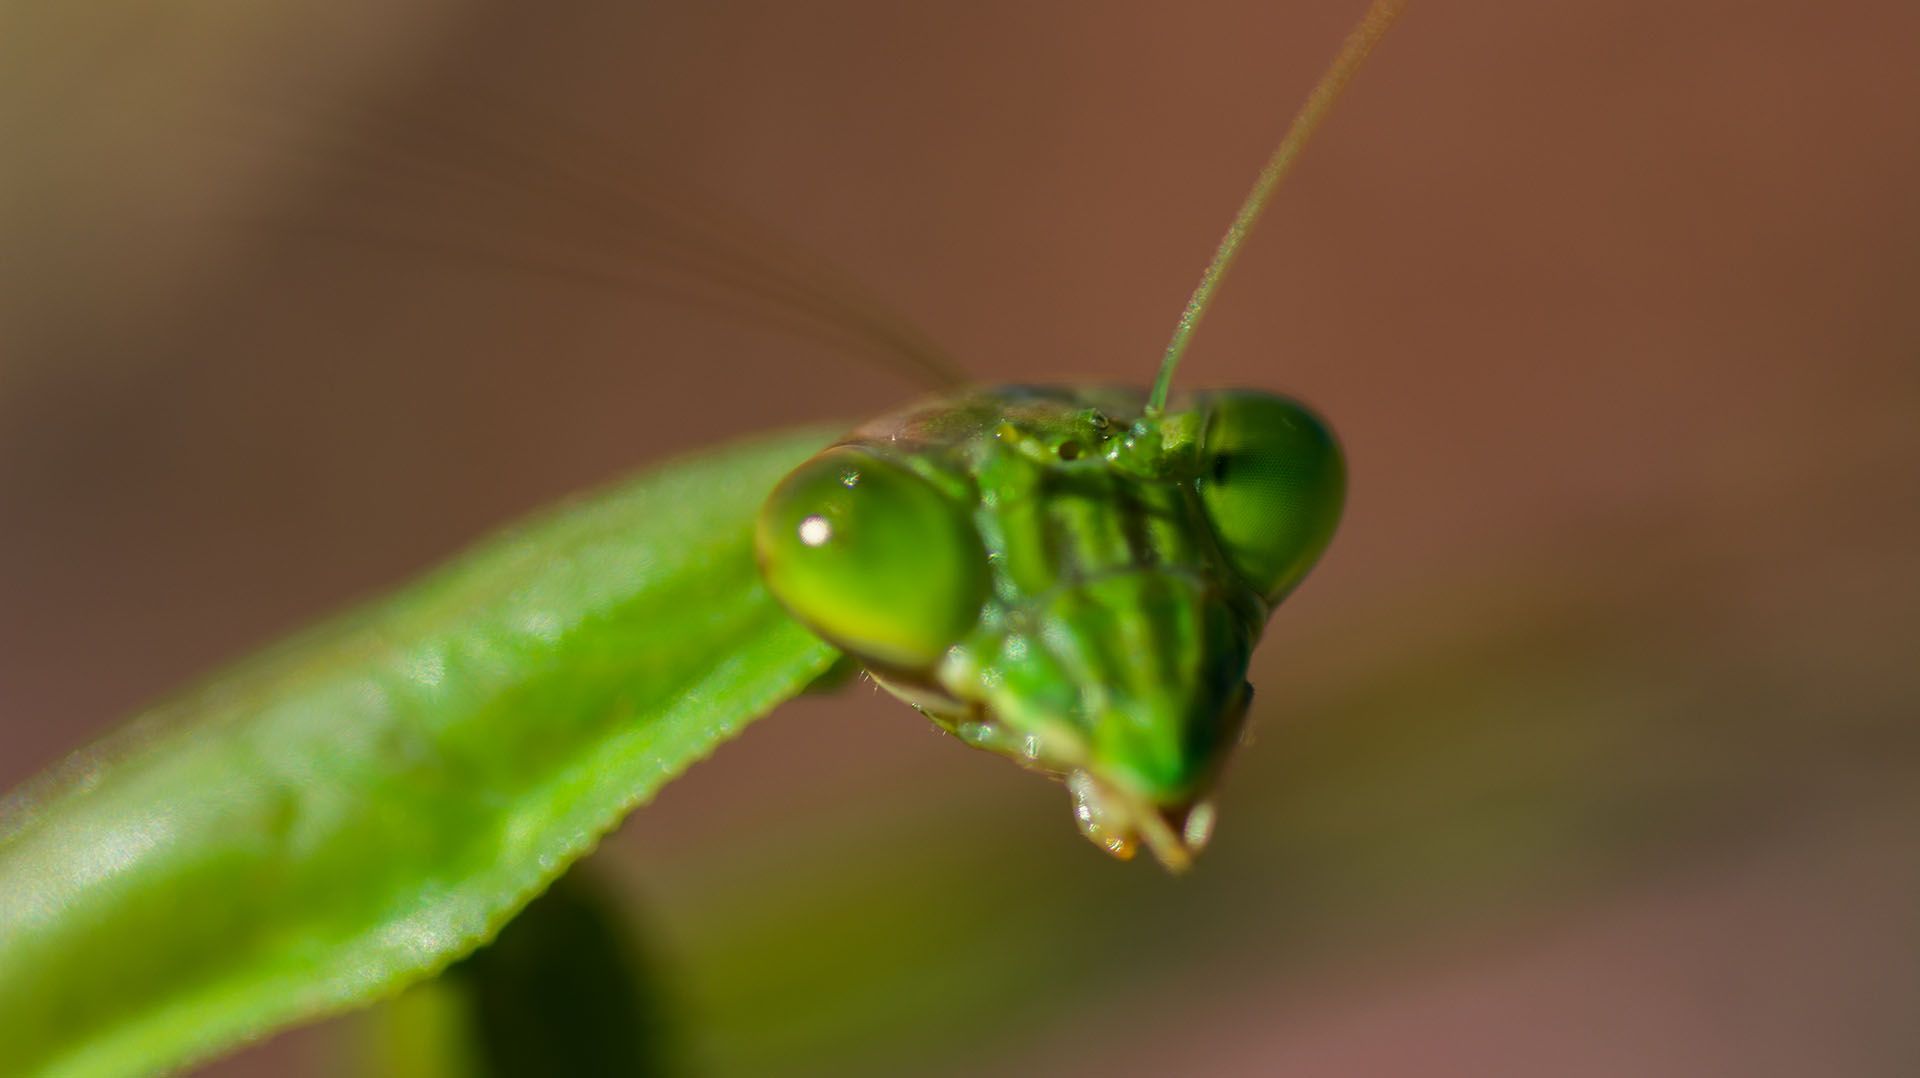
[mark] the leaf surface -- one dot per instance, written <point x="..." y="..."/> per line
<point x="355" y="808"/>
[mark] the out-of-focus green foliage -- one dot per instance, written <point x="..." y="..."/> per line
<point x="561" y="990"/>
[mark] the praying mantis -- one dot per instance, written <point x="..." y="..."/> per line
<point x="1072" y="578"/>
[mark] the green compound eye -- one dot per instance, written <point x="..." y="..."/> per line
<point x="872" y="557"/>
<point x="1273" y="486"/>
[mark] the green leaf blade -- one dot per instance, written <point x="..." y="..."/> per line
<point x="354" y="809"/>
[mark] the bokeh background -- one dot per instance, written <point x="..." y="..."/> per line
<point x="1590" y="749"/>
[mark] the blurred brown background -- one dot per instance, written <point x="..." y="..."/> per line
<point x="1590" y="749"/>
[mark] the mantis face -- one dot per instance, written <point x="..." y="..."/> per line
<point x="1064" y="578"/>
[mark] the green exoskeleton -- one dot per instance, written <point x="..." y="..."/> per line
<point x="1072" y="578"/>
<point x="1076" y="578"/>
<point x="1067" y="577"/>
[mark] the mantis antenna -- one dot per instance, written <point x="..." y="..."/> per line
<point x="1373" y="26"/>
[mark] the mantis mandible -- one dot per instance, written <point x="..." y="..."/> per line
<point x="1072" y="578"/>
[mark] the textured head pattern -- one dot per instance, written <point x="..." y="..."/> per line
<point x="1107" y="635"/>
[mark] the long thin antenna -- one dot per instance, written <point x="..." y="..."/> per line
<point x="1373" y="26"/>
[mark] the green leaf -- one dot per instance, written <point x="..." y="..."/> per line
<point x="356" y="808"/>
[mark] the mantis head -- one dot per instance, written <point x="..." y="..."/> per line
<point x="1077" y="578"/>
<point x="1066" y="578"/>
